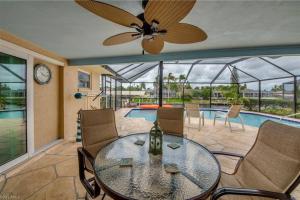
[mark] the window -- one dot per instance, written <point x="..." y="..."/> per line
<point x="13" y="136"/>
<point x="84" y="79"/>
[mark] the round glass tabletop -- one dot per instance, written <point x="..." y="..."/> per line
<point x="126" y="170"/>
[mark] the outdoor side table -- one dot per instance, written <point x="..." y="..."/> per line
<point x="147" y="178"/>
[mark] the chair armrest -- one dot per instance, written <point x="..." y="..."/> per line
<point x="92" y="189"/>
<point x="249" y="192"/>
<point x="228" y="154"/>
<point x="220" y="113"/>
<point x="86" y="154"/>
<point x="241" y="157"/>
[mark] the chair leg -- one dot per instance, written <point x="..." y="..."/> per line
<point x="199" y="123"/>
<point x="229" y="125"/>
<point x="189" y="119"/>
<point x="86" y="196"/>
<point x="202" y="120"/>
<point x="103" y="196"/>
<point x="215" y="119"/>
<point x="226" y="118"/>
<point x="242" y="121"/>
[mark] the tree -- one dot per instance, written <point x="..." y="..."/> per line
<point x="181" y="78"/>
<point x="234" y="78"/>
<point x="230" y="93"/>
<point x="188" y="86"/>
<point x="143" y="86"/>
<point x="155" y="84"/>
<point x="2" y="102"/>
<point x="277" y="88"/>
<point x="205" y="93"/>
<point x="169" y="78"/>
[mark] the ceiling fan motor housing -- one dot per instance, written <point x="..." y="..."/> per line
<point x="148" y="30"/>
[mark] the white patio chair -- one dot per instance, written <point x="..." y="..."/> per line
<point x="233" y="112"/>
<point x="193" y="110"/>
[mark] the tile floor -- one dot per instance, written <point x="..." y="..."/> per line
<point x="53" y="174"/>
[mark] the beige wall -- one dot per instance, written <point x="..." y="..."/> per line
<point x="55" y="108"/>
<point x="72" y="105"/>
<point x="48" y="125"/>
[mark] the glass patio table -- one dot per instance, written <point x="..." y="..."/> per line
<point x="146" y="176"/>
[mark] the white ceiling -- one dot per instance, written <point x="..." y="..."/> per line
<point x="73" y="32"/>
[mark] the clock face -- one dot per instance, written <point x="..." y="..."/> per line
<point x="42" y="74"/>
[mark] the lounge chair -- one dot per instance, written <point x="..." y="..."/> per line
<point x="193" y="110"/>
<point x="270" y="169"/>
<point x="98" y="128"/>
<point x="233" y="112"/>
<point x="171" y="120"/>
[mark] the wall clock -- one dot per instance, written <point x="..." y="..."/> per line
<point x="42" y="74"/>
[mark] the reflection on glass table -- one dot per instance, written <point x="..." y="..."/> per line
<point x="197" y="170"/>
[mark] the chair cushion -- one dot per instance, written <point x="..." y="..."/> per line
<point x="171" y="120"/>
<point x="274" y="161"/>
<point x="272" y="164"/>
<point x="94" y="149"/>
<point x="171" y="126"/>
<point x="228" y="180"/>
<point x="98" y="128"/>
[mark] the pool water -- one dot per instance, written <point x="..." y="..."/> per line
<point x="249" y="119"/>
<point x="11" y="114"/>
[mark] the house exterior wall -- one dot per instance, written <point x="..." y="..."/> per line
<point x="72" y="105"/>
<point x="48" y="123"/>
<point x="55" y="108"/>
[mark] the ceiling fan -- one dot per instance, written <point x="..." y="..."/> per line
<point x="159" y="23"/>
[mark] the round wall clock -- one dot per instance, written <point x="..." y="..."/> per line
<point x="42" y="74"/>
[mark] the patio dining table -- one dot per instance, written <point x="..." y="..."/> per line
<point x="147" y="177"/>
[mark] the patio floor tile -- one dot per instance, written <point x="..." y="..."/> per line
<point x="25" y="185"/>
<point x="61" y="188"/>
<point x="53" y="174"/>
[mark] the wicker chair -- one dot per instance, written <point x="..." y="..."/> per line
<point x="233" y="112"/>
<point x="171" y="120"/>
<point x="98" y="128"/>
<point x="271" y="169"/>
<point x="193" y="110"/>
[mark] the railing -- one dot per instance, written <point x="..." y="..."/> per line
<point x="98" y="95"/>
<point x="291" y="115"/>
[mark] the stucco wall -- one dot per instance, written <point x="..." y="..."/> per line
<point x="47" y="109"/>
<point x="55" y="108"/>
<point x="72" y="105"/>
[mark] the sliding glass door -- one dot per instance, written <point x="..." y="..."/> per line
<point x="13" y="138"/>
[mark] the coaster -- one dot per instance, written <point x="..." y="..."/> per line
<point x="173" y="145"/>
<point x="140" y="142"/>
<point x="172" y="168"/>
<point x="126" y="162"/>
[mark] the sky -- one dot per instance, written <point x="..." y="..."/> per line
<point x="6" y="76"/>
<point x="254" y="66"/>
<point x="201" y="72"/>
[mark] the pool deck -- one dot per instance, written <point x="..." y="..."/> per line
<point x="53" y="174"/>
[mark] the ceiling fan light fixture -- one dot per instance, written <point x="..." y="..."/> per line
<point x="148" y="37"/>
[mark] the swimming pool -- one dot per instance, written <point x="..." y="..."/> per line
<point x="250" y="119"/>
<point x="11" y="114"/>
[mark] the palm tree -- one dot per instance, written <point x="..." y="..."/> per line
<point x="169" y="78"/>
<point x="181" y="78"/>
<point x="181" y="81"/>
<point x="143" y="86"/>
<point x="234" y="78"/>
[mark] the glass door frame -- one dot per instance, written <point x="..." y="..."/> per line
<point x="16" y="51"/>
